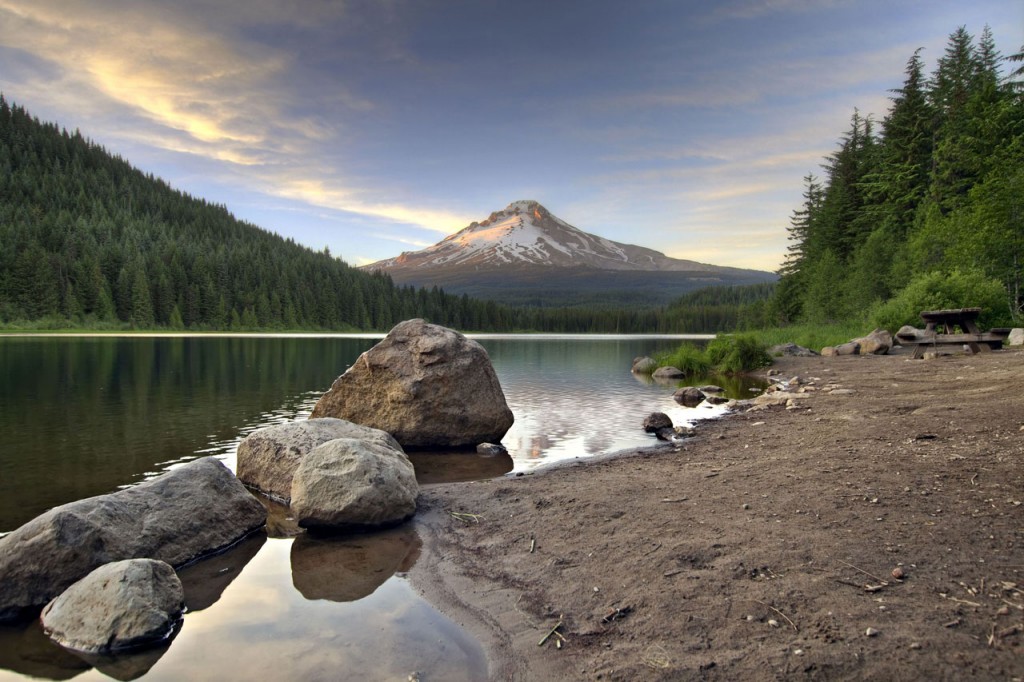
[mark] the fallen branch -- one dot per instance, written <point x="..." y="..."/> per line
<point x="784" y="616"/>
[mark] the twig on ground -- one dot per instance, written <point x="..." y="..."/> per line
<point x="533" y="544"/>
<point x="784" y="616"/>
<point x="552" y="631"/>
<point x="652" y="550"/>
<point x="884" y="583"/>
<point x="466" y="517"/>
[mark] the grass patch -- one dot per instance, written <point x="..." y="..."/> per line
<point x="813" y="336"/>
<point x="688" y="358"/>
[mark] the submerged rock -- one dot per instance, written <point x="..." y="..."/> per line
<point x="268" y="458"/>
<point x="352" y="484"/>
<point x="120" y="605"/>
<point x="188" y="512"/>
<point x="491" y="449"/>
<point x="426" y="385"/>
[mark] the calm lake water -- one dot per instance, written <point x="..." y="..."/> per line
<point x="84" y="416"/>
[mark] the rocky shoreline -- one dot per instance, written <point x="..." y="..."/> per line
<point x="871" y="530"/>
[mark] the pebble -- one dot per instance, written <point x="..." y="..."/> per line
<point x="898" y="573"/>
<point x="774" y="623"/>
<point x="746" y="506"/>
<point x="871" y="632"/>
<point x="915" y="645"/>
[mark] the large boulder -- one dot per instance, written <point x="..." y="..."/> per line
<point x="120" y="605"/>
<point x="878" y="342"/>
<point x="268" y="457"/>
<point x="353" y="484"/>
<point x="426" y="385"/>
<point x="1016" y="337"/>
<point x="190" y="511"/>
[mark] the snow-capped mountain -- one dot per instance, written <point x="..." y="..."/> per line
<point x="526" y="233"/>
<point x="525" y="254"/>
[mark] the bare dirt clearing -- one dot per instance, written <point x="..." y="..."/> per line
<point x="768" y="546"/>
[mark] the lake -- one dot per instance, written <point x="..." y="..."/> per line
<point x="85" y="416"/>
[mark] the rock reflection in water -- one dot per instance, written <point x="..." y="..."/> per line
<point x="127" y="666"/>
<point x="452" y="467"/>
<point x="348" y="568"/>
<point x="26" y="650"/>
<point x="205" y="581"/>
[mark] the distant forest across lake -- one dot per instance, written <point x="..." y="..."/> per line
<point x="922" y="210"/>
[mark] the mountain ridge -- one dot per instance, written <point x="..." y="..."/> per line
<point x="525" y="254"/>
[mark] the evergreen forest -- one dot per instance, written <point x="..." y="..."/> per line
<point x="91" y="242"/>
<point x="923" y="209"/>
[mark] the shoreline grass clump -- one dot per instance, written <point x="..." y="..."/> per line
<point x="688" y="358"/>
<point x="730" y="354"/>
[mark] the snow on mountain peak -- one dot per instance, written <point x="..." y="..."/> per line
<point x="526" y="233"/>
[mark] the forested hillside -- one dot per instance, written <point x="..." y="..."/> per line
<point x="922" y="210"/>
<point x="89" y="241"/>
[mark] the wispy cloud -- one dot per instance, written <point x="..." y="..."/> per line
<point x="194" y="91"/>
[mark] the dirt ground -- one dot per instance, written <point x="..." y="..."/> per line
<point x="764" y="548"/>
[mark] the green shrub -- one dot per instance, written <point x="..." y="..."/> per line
<point x="939" y="290"/>
<point x="732" y="354"/>
<point x="737" y="353"/>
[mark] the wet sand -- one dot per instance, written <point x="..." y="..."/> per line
<point x="765" y="547"/>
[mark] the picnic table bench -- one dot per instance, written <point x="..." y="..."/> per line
<point x="939" y="331"/>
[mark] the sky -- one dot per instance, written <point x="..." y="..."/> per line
<point x="373" y="127"/>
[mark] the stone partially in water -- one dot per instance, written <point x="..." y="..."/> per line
<point x="120" y="605"/>
<point x="644" y="365"/>
<point x="190" y="511"/>
<point x="656" y="421"/>
<point x="688" y="396"/>
<point x="426" y="385"/>
<point x="268" y="457"/>
<point x="351" y="484"/>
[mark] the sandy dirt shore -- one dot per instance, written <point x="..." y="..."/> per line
<point x="766" y="547"/>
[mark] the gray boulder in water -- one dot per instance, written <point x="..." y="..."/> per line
<point x="120" y="605"/>
<point x="190" y="511"/>
<point x="353" y="484"/>
<point x="268" y="457"/>
<point x="426" y="385"/>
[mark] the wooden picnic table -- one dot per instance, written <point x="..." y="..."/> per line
<point x="940" y="331"/>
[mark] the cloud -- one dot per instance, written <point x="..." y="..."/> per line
<point x="195" y="91"/>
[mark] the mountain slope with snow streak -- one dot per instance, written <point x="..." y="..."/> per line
<point x="526" y="255"/>
<point x="526" y="233"/>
